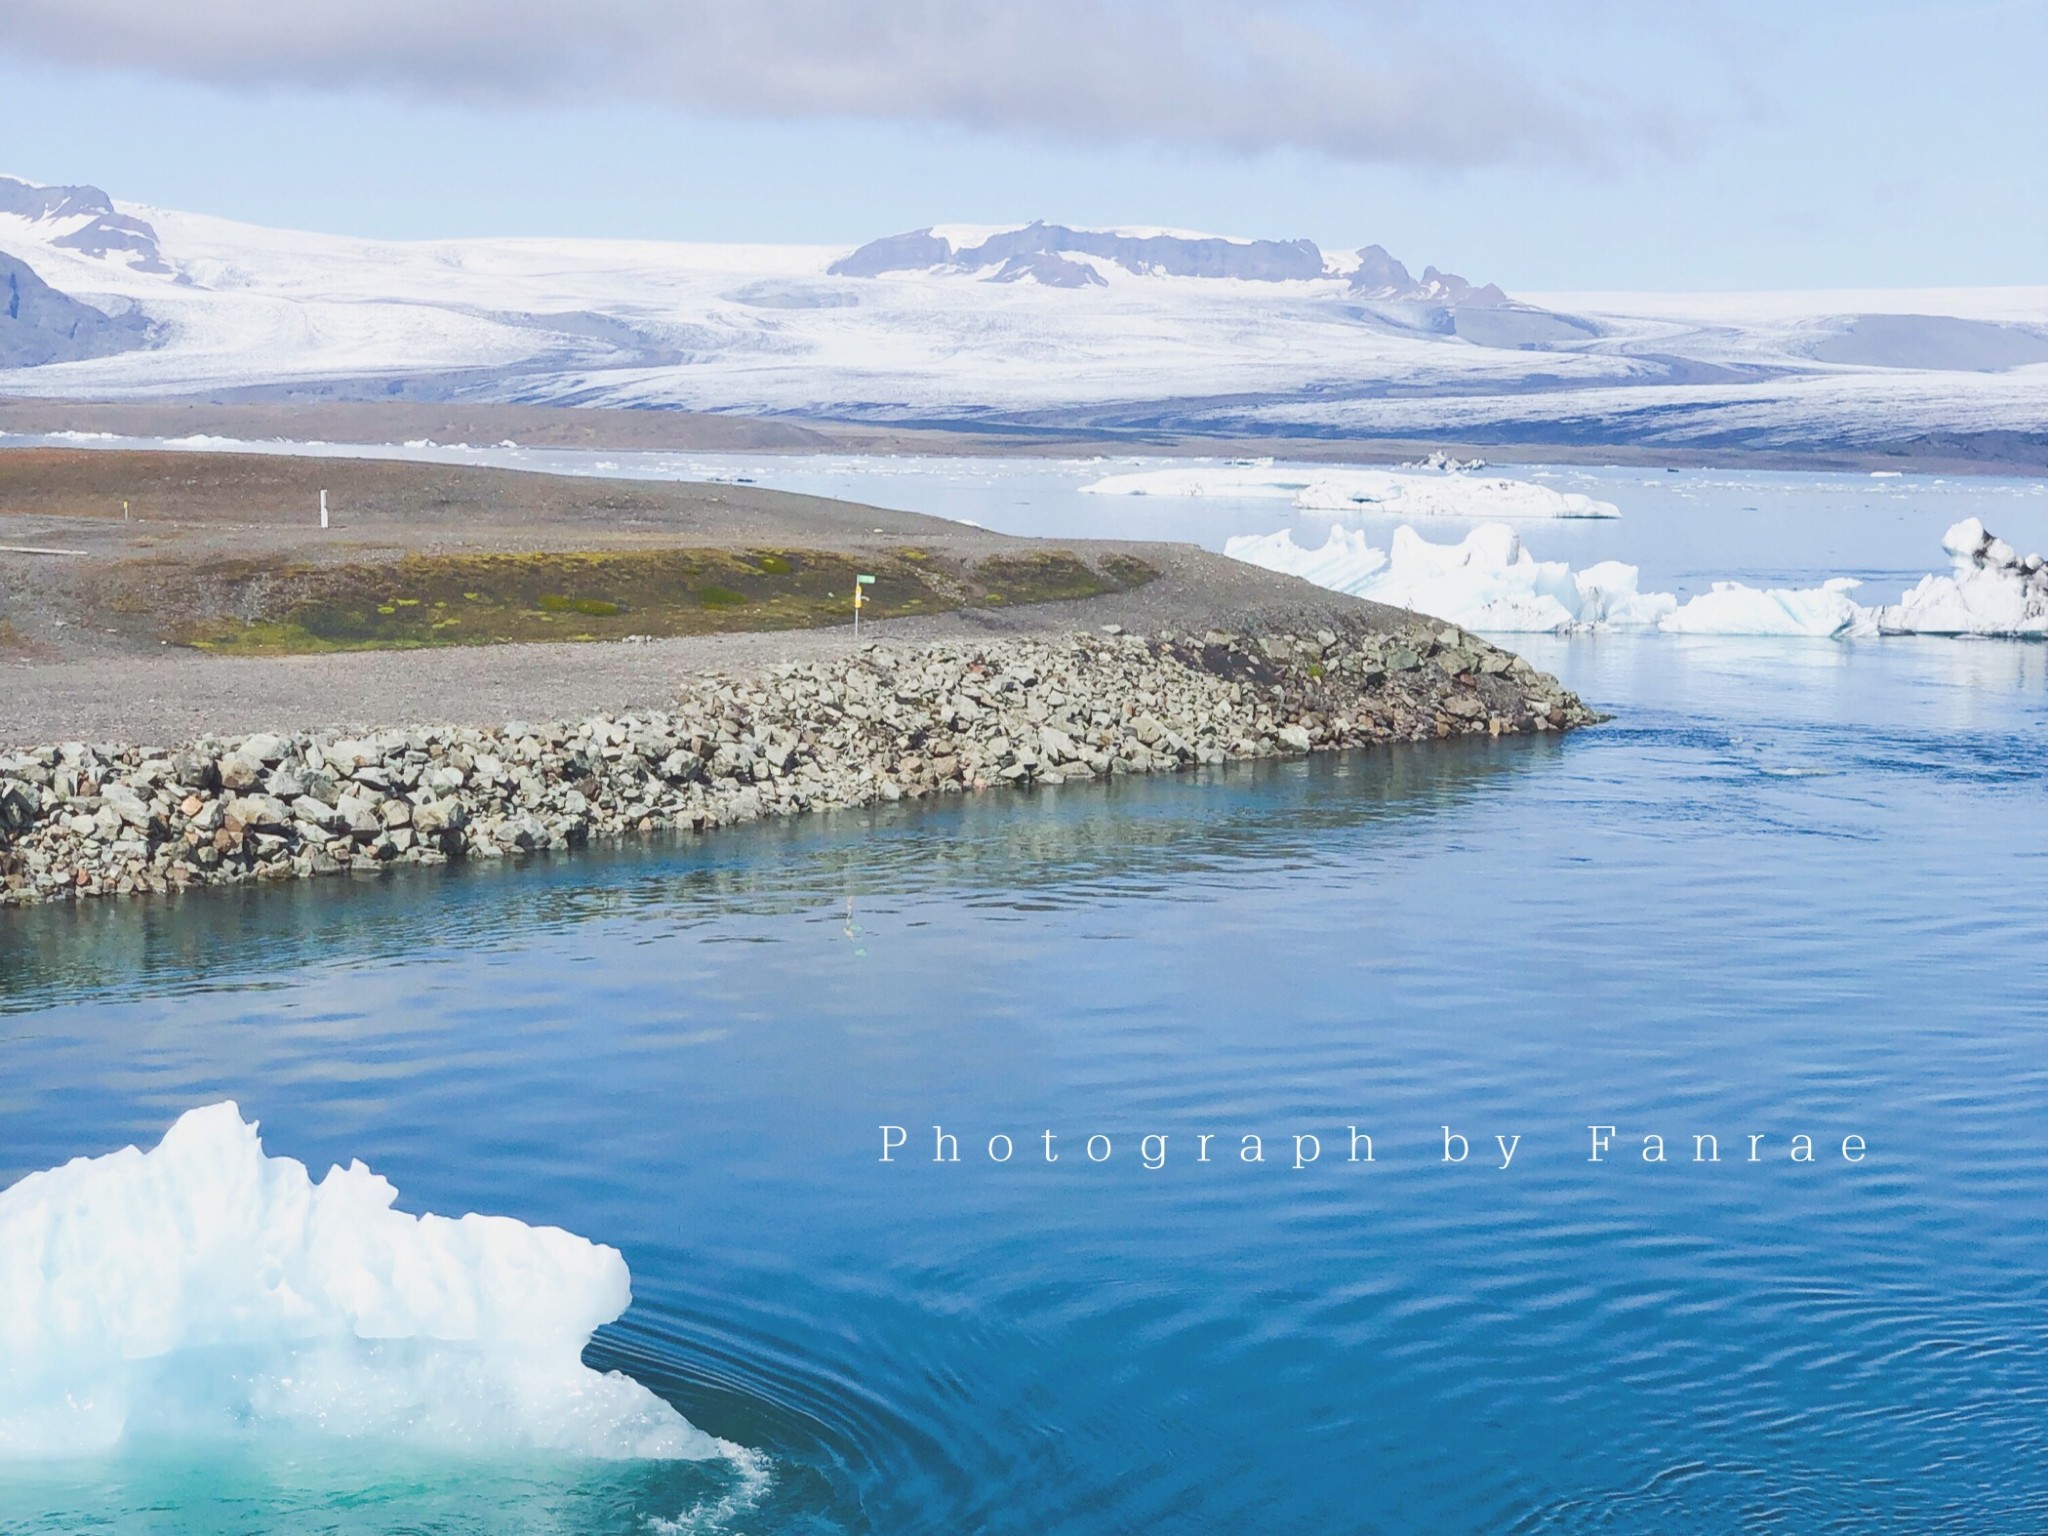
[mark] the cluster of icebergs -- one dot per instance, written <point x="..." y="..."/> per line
<point x="1488" y="581"/>
<point x="1390" y="492"/>
<point x="204" y="1288"/>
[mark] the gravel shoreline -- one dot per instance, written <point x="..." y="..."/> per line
<point x="886" y="722"/>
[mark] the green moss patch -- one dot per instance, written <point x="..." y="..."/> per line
<point x="254" y="608"/>
<point x="552" y="602"/>
<point x="1056" y="576"/>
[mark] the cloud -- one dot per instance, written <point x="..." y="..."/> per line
<point x="1364" y="83"/>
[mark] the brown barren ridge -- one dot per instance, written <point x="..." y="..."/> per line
<point x="216" y="602"/>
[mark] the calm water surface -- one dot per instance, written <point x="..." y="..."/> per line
<point x="1794" y="887"/>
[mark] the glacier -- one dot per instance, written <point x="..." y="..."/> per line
<point x="1397" y="493"/>
<point x="204" y="1290"/>
<point x="1488" y="581"/>
<point x="1105" y="330"/>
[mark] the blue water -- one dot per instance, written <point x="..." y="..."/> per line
<point x="1793" y="888"/>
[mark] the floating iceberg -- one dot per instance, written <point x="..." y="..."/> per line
<point x="1731" y="608"/>
<point x="204" y="1289"/>
<point x="1396" y="493"/>
<point x="1487" y="581"/>
<point x="1347" y="561"/>
<point x="1991" y="591"/>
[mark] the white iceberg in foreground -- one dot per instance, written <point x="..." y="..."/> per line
<point x="1990" y="591"/>
<point x="203" y="1288"/>
<point x="1397" y="493"/>
<point x="1486" y="581"/>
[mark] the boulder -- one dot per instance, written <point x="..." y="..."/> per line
<point x="240" y="770"/>
<point x="128" y="805"/>
<point x="20" y="804"/>
<point x="318" y="813"/>
<point x="435" y="817"/>
<point x="255" y="813"/>
<point x="357" y="814"/>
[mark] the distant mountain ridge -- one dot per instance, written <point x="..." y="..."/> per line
<point x="1034" y="327"/>
<point x="1043" y="253"/>
<point x="103" y="232"/>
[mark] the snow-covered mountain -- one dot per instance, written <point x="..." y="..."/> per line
<point x="1032" y="325"/>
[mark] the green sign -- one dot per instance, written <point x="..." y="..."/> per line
<point x="866" y="581"/>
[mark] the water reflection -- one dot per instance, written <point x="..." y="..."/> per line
<point x="1062" y="844"/>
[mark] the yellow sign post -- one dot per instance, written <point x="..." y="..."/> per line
<point x="860" y="600"/>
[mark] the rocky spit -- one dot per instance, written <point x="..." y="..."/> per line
<point x="884" y="722"/>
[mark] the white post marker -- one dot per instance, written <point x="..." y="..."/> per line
<point x="860" y="600"/>
<point x="323" y="509"/>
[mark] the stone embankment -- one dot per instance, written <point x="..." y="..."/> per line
<point x="882" y="723"/>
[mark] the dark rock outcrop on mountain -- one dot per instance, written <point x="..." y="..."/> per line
<point x="1263" y="261"/>
<point x="40" y="325"/>
<point x="1052" y="271"/>
<point x="1379" y="276"/>
<point x="1039" y="250"/>
<point x="1449" y="288"/>
<point x="911" y="252"/>
<point x="106" y="233"/>
<point x="1044" y="253"/>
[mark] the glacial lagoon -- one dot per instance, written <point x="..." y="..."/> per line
<point x="1792" y="888"/>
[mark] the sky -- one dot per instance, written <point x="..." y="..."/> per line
<point x="1555" y="146"/>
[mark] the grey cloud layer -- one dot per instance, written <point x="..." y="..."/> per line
<point x="1364" y="84"/>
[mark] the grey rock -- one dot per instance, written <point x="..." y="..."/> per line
<point x="129" y="806"/>
<point x="256" y="813"/>
<point x="438" y="816"/>
<point x="240" y="770"/>
<point x="318" y="812"/>
<point x="196" y="770"/>
<point x="20" y="804"/>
